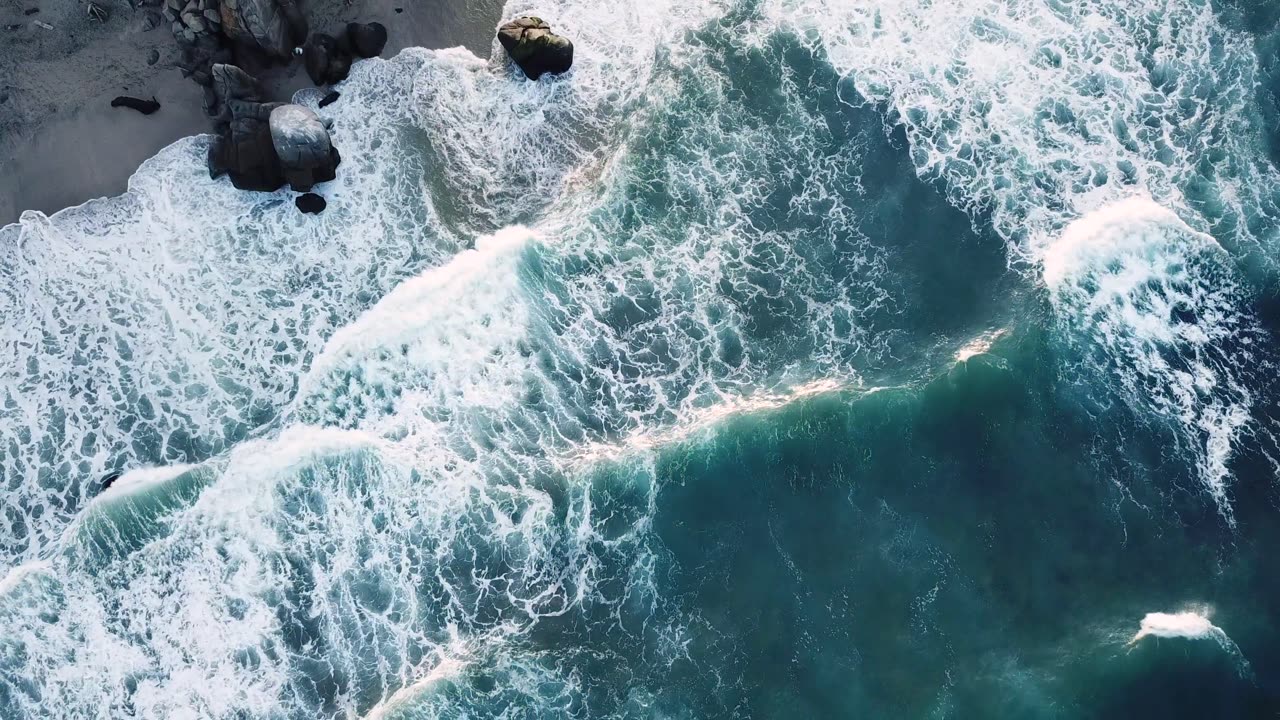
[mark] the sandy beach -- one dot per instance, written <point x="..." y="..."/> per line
<point x="61" y="142"/>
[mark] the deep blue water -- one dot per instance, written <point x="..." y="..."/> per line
<point x="783" y="360"/>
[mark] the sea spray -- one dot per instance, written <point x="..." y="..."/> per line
<point x="1189" y="625"/>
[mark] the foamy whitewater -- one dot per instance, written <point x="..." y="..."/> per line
<point x="785" y="358"/>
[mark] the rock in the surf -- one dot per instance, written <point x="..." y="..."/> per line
<point x="244" y="149"/>
<point x="302" y="143"/>
<point x="531" y="44"/>
<point x="367" y="39"/>
<point x="310" y="203"/>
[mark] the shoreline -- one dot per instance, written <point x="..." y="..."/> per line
<point x="61" y="142"/>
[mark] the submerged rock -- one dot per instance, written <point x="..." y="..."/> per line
<point x="310" y="203"/>
<point x="531" y="44"/>
<point x="301" y="141"/>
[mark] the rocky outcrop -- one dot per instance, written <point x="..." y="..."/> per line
<point x="261" y="145"/>
<point x="257" y="23"/>
<point x="229" y="83"/>
<point x="192" y="18"/>
<point x="328" y="59"/>
<point x="242" y="147"/>
<point x="531" y="44"/>
<point x="244" y="151"/>
<point x="302" y="144"/>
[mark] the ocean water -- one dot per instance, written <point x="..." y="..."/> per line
<point x="784" y="359"/>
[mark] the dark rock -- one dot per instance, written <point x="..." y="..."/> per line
<point x="150" y="20"/>
<point x="367" y="39"/>
<point x="244" y="150"/>
<point x="200" y="54"/>
<point x="210" y="101"/>
<point x="230" y="83"/>
<point x="111" y="479"/>
<point x="295" y="21"/>
<point x="310" y="203"/>
<point x="31" y="11"/>
<point x="531" y="44"/>
<point x="327" y="60"/>
<point x="243" y="147"/>
<point x="146" y="107"/>
<point x="4" y="96"/>
<point x="339" y="67"/>
<point x="258" y="23"/>
<point x="153" y="57"/>
<point x="302" y="143"/>
<point x="399" y="10"/>
<point x="315" y="57"/>
<point x="330" y="99"/>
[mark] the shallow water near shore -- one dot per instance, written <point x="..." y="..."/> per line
<point x="783" y="359"/>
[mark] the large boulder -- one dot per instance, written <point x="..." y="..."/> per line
<point x="310" y="203"/>
<point x="327" y="60"/>
<point x="302" y="144"/>
<point x="257" y="23"/>
<point x="531" y="44"/>
<point x="366" y="39"/>
<point x="295" y="21"/>
<point x="244" y="149"/>
<point x="228" y="83"/>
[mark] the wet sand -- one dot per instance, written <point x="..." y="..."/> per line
<point x="61" y="142"/>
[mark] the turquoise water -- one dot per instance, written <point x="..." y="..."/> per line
<point x="784" y="359"/>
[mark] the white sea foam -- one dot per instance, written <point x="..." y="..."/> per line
<point x="447" y="668"/>
<point x="1153" y="307"/>
<point x="140" y="479"/>
<point x="1193" y="624"/>
<point x="1038" y="112"/>
<point x="19" y="573"/>
<point x="450" y="338"/>
<point x="980" y="344"/>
